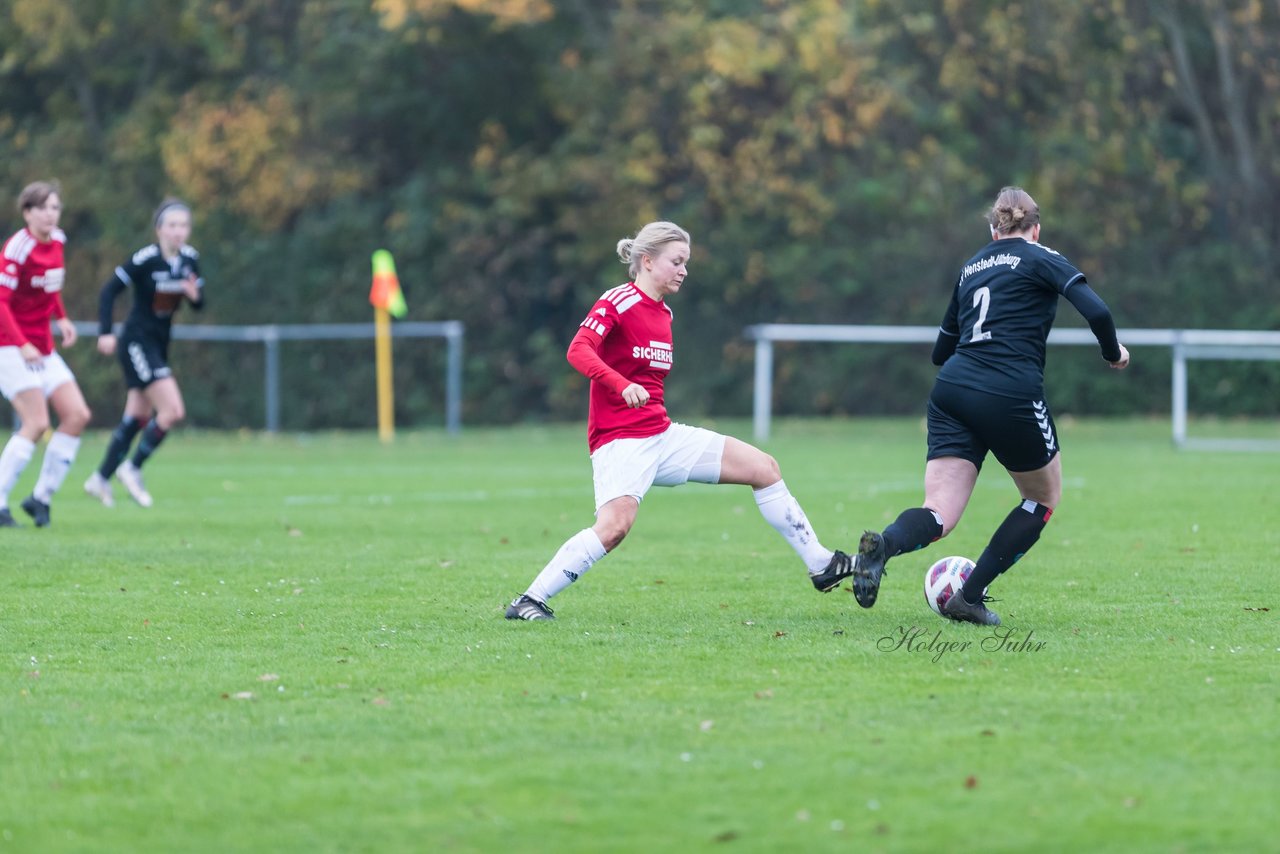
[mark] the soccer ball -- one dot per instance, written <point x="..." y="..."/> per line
<point x="944" y="579"/>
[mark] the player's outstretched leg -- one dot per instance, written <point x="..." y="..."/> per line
<point x="574" y="558"/>
<point x="784" y="514"/>
<point x="915" y="528"/>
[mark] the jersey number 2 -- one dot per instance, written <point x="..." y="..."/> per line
<point x="982" y="302"/>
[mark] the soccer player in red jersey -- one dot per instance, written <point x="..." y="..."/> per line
<point x="32" y="374"/>
<point x="624" y="346"/>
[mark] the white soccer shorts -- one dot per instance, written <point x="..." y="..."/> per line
<point x="16" y="376"/>
<point x="680" y="454"/>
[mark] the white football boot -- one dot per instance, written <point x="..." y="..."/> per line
<point x="100" y="488"/>
<point x="131" y="476"/>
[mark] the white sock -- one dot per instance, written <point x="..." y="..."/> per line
<point x="58" y="457"/>
<point x="781" y="510"/>
<point x="574" y="558"/>
<point x="17" y="453"/>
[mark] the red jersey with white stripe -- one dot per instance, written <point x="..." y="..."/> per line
<point x="31" y="275"/>
<point x="625" y="339"/>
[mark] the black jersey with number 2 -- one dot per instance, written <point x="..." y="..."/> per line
<point x="1001" y="311"/>
<point x="157" y="291"/>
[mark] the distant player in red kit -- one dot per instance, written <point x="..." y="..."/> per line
<point x="624" y="347"/>
<point x="32" y="374"/>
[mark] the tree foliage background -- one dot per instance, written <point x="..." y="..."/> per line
<point x="832" y="160"/>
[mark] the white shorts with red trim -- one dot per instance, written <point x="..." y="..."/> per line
<point x="17" y="375"/>
<point x="679" y="454"/>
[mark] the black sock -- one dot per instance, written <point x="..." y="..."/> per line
<point x="1014" y="538"/>
<point x="911" y="531"/>
<point x="121" y="439"/>
<point x="151" y="439"/>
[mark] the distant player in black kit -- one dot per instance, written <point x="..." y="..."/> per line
<point x="162" y="275"/>
<point x="989" y="396"/>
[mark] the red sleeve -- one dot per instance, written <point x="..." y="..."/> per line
<point x="8" y="325"/>
<point x="584" y="355"/>
<point x="59" y="310"/>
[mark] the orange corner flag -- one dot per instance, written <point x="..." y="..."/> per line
<point x="386" y="293"/>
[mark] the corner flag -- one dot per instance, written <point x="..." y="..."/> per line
<point x="385" y="293"/>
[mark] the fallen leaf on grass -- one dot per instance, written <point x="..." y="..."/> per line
<point x="1257" y="609"/>
<point x="779" y="634"/>
<point x="971" y="782"/>
<point x="380" y="701"/>
<point x="268" y="677"/>
<point x="706" y="726"/>
<point x="727" y="836"/>
<point x="765" y="694"/>
<point x="239" y="695"/>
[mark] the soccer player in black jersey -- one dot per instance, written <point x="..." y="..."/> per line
<point x="989" y="396"/>
<point x="162" y="275"/>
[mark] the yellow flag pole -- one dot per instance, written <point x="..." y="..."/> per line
<point x="386" y="404"/>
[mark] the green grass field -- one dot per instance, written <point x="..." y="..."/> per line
<point x="301" y="648"/>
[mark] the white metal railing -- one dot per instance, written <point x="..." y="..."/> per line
<point x="270" y="336"/>
<point x="1186" y="345"/>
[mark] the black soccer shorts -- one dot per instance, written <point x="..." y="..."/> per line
<point x="144" y="361"/>
<point x="967" y="423"/>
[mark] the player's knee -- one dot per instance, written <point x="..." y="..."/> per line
<point x="171" y="416"/>
<point x="946" y="516"/>
<point x="613" y="533"/>
<point x="34" y="426"/>
<point x="1048" y="498"/>
<point x="769" y="472"/>
<point x="76" y="420"/>
<point x="614" y="521"/>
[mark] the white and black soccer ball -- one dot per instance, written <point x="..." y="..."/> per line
<point x="944" y="579"/>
